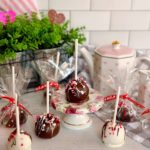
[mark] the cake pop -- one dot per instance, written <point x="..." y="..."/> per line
<point x="47" y="125"/>
<point x="7" y="113"/>
<point x="126" y="114"/>
<point x="8" y="117"/>
<point x="24" y="141"/>
<point x="113" y="133"/>
<point x="113" y="136"/>
<point x="77" y="91"/>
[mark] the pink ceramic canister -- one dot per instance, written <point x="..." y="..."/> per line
<point x="112" y="61"/>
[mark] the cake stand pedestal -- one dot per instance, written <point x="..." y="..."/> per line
<point x="76" y="115"/>
<point x="76" y="121"/>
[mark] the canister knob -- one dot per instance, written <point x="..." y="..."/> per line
<point x="116" y="44"/>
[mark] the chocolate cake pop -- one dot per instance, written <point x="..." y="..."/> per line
<point x="113" y="136"/>
<point x="47" y="126"/>
<point x="125" y="114"/>
<point x="24" y="141"/>
<point x="77" y="91"/>
<point x="8" y="116"/>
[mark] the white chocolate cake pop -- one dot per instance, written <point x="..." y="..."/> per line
<point x="113" y="136"/>
<point x="113" y="133"/>
<point x="24" y="141"/>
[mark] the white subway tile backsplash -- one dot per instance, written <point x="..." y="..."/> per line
<point x="42" y="5"/>
<point x="92" y="20"/>
<point x="140" y="39"/>
<point x="111" y="4"/>
<point x="141" y="4"/>
<point x="128" y="20"/>
<point x="106" y="20"/>
<point x="104" y="38"/>
<point x="69" y="4"/>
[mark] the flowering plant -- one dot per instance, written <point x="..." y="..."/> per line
<point x="8" y="16"/>
<point x="23" y="32"/>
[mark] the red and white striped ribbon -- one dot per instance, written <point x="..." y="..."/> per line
<point x="19" y="6"/>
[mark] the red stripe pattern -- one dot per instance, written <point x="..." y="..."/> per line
<point x="19" y="6"/>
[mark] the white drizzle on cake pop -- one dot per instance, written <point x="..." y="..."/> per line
<point x="77" y="90"/>
<point x="43" y="120"/>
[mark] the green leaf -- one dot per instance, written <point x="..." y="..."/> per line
<point x="32" y="33"/>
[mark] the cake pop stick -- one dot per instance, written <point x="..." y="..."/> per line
<point x="76" y="59"/>
<point x="57" y="64"/>
<point x="17" y="122"/>
<point x="13" y="82"/>
<point x="47" y="125"/>
<point x="47" y="97"/>
<point x="116" y="106"/>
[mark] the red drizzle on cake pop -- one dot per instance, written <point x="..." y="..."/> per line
<point x="77" y="91"/>
<point x="8" y="117"/>
<point x="14" y="133"/>
<point x="125" y="114"/>
<point x="111" y="129"/>
<point x="47" y="126"/>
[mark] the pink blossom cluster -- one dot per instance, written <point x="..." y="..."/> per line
<point x="8" y="16"/>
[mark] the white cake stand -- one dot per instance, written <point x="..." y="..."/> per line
<point x="76" y="115"/>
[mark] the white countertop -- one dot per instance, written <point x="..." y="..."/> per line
<point x="87" y="139"/>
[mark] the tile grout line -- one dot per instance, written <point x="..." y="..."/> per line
<point x="48" y="4"/>
<point x="132" y="5"/>
<point x="110" y="20"/>
<point x="129" y="38"/>
<point x="70" y="18"/>
<point x="90" y="5"/>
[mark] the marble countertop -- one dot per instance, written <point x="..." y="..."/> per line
<point x="87" y="139"/>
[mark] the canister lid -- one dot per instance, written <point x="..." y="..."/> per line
<point x="115" y="50"/>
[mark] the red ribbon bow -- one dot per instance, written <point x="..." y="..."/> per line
<point x="12" y="100"/>
<point x="51" y="84"/>
<point x="145" y="112"/>
<point x="124" y="97"/>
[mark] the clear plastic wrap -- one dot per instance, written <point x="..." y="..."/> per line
<point x="46" y="69"/>
<point x="129" y="108"/>
<point x="144" y="87"/>
<point x="7" y="113"/>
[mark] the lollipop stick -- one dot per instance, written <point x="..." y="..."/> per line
<point x="116" y="106"/>
<point x="76" y="59"/>
<point x="17" y="122"/>
<point x="13" y="82"/>
<point x="17" y="115"/>
<point x="57" y="64"/>
<point x="47" y="96"/>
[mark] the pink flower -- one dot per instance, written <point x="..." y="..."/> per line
<point x="3" y="18"/>
<point x="12" y="15"/>
<point x="6" y="17"/>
